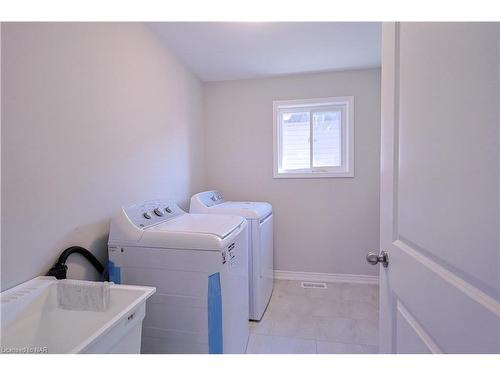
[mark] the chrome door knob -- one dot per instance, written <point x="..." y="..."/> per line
<point x="374" y="258"/>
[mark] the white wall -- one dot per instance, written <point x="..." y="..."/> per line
<point x="321" y="225"/>
<point x="94" y="116"/>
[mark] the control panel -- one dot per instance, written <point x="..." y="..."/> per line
<point x="152" y="212"/>
<point x="211" y="198"/>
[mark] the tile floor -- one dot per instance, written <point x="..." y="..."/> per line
<point x="340" y="319"/>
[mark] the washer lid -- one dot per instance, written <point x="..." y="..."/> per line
<point x="249" y="210"/>
<point x="216" y="225"/>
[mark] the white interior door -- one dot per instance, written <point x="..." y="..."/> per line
<point x="440" y="188"/>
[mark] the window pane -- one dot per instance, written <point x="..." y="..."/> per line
<point x="327" y="139"/>
<point x="295" y="133"/>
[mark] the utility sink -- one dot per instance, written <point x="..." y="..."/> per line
<point x="33" y="322"/>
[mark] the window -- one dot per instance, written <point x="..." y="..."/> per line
<point x="314" y="138"/>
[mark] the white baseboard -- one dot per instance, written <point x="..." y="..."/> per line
<point x="325" y="277"/>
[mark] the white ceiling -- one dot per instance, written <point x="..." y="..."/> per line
<point x="219" y="51"/>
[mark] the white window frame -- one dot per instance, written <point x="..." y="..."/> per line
<point x="346" y="105"/>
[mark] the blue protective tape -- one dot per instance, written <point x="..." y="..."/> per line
<point x="215" y="344"/>
<point x="113" y="272"/>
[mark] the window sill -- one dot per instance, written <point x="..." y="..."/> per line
<point x="314" y="175"/>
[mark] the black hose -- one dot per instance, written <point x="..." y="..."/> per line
<point x="60" y="268"/>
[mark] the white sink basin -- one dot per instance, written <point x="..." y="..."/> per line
<point x="33" y="322"/>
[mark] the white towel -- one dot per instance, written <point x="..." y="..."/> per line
<point x="83" y="295"/>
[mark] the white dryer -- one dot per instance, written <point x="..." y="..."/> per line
<point x="260" y="242"/>
<point x="199" y="266"/>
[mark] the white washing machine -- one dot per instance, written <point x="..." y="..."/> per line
<point x="260" y="242"/>
<point x="199" y="266"/>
